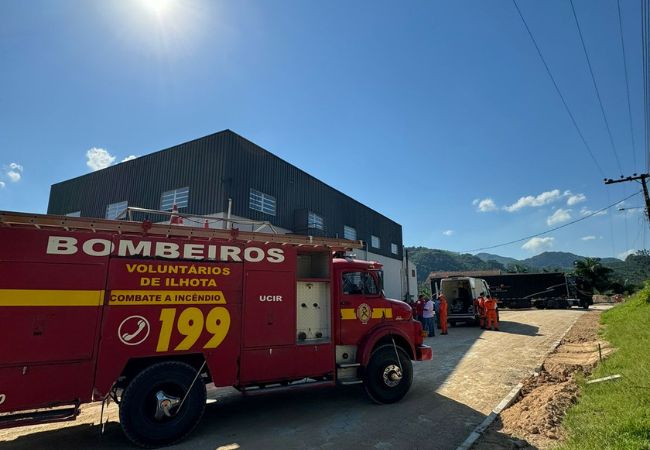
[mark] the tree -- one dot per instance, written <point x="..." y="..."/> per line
<point x="594" y="272"/>
<point x="516" y="268"/>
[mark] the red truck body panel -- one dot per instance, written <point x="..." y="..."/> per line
<point x="77" y="306"/>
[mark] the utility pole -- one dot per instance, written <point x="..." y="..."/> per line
<point x="636" y="177"/>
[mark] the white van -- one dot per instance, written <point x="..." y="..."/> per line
<point x="461" y="292"/>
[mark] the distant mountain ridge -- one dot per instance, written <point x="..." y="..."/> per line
<point x="635" y="269"/>
<point x="430" y="260"/>
<point x="435" y="260"/>
<point x="545" y="260"/>
<point x="505" y="260"/>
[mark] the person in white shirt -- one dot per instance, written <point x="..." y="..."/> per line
<point x="428" y="314"/>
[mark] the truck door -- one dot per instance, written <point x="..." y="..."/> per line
<point x="361" y="305"/>
<point x="50" y="306"/>
<point x="269" y="324"/>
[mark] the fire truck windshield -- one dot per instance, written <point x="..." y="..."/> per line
<point x="380" y="279"/>
<point x="359" y="283"/>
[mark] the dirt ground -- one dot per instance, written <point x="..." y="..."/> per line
<point x="534" y="421"/>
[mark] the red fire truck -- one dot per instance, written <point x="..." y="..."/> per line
<point x="148" y="314"/>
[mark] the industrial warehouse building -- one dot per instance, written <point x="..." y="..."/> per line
<point x="224" y="175"/>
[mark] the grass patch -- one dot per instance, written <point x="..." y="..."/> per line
<point x="616" y="415"/>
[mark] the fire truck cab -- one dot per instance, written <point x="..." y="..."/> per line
<point x="147" y="315"/>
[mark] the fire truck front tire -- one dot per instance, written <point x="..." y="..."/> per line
<point x="387" y="379"/>
<point x="149" y="408"/>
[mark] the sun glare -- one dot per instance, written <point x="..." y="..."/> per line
<point x="161" y="28"/>
<point x="159" y="7"/>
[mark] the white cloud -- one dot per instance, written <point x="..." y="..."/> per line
<point x="625" y="254"/>
<point x="14" y="172"/>
<point x="534" y="201"/>
<point x="14" y="176"/>
<point x="537" y="244"/>
<point x="448" y="232"/>
<point x="485" y="205"/>
<point x="584" y="211"/>
<point x="98" y="158"/>
<point x="588" y="238"/>
<point x="575" y="199"/>
<point x="559" y="216"/>
<point x="129" y="158"/>
<point x="2" y="184"/>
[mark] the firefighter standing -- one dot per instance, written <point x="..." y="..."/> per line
<point x="490" y="304"/>
<point x="443" y="313"/>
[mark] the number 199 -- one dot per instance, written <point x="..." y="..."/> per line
<point x="191" y="324"/>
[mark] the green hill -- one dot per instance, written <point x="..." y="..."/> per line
<point x="563" y="260"/>
<point x="431" y="260"/>
<point x="504" y="260"/>
<point x="634" y="270"/>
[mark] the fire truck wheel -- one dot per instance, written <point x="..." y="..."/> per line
<point x="149" y="409"/>
<point x="387" y="378"/>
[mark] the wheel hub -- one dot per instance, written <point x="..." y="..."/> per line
<point x="164" y="405"/>
<point x="392" y="375"/>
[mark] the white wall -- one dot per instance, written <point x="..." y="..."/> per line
<point x="395" y="275"/>
<point x="410" y="277"/>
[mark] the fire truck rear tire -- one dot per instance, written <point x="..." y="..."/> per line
<point x="382" y="382"/>
<point x="139" y="404"/>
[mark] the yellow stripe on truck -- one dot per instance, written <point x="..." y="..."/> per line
<point x="377" y="313"/>
<point x="50" y="297"/>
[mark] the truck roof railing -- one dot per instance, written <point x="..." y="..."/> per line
<point x="68" y="223"/>
<point x="257" y="225"/>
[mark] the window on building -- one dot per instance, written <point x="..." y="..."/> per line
<point x="349" y="233"/>
<point x="315" y="221"/>
<point x="178" y="197"/>
<point x="74" y="214"/>
<point x="393" y="249"/>
<point x="259" y="201"/>
<point x="375" y="242"/>
<point x="115" y="209"/>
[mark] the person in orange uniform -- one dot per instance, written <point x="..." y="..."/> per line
<point x="490" y="304"/>
<point x="480" y="308"/>
<point x="443" y="313"/>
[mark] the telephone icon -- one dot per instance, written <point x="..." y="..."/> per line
<point x="133" y="330"/>
<point x="128" y="337"/>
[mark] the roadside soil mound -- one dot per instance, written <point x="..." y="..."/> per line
<point x="534" y="420"/>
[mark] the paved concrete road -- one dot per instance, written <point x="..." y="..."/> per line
<point x="471" y="372"/>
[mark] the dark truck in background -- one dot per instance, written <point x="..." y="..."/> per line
<point x="541" y="290"/>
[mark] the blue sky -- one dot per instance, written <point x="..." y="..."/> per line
<point x="427" y="111"/>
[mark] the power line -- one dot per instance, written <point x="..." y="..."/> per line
<point x="645" y="17"/>
<point x="557" y="89"/>
<point x="553" y="229"/>
<point x="627" y="83"/>
<point x="593" y="79"/>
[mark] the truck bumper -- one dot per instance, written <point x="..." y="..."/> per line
<point x="423" y="353"/>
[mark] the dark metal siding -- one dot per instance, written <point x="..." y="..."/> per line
<point x="221" y="166"/>
<point x="197" y="164"/>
